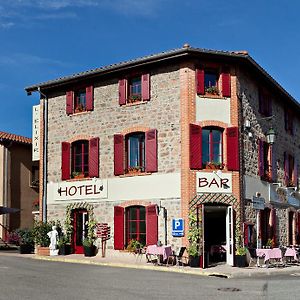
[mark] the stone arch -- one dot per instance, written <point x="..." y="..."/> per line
<point x="134" y="202"/>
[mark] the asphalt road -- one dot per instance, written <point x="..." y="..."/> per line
<point x="25" y="278"/>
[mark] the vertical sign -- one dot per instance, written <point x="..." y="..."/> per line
<point x="178" y="227"/>
<point x="36" y="132"/>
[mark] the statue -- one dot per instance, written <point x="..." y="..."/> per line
<point x="53" y="235"/>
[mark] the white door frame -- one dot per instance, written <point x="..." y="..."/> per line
<point x="229" y="236"/>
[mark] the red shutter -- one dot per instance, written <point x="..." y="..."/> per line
<point x="295" y="172"/>
<point x="273" y="212"/>
<point x="122" y="91"/>
<point x="226" y="88"/>
<point x="69" y="102"/>
<point x="94" y="157"/>
<point x="151" y="150"/>
<point x="89" y="98"/>
<point x="195" y="146"/>
<point x="274" y="164"/>
<point x="65" y="160"/>
<point x="286" y="168"/>
<point x="200" y="81"/>
<point x="151" y="225"/>
<point x="246" y="235"/>
<point x="233" y="163"/>
<point x="118" y="228"/>
<point x="118" y="154"/>
<point x="261" y="162"/>
<point x="146" y="87"/>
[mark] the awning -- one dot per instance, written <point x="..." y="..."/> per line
<point x="8" y="210"/>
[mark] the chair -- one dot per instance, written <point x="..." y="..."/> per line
<point x="139" y="252"/>
<point x="178" y="258"/>
<point x="251" y="256"/>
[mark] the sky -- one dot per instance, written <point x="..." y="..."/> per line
<point x="47" y="39"/>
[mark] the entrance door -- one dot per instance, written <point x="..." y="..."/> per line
<point x="229" y="236"/>
<point x="80" y="230"/>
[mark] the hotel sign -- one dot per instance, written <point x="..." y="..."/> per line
<point x="78" y="190"/>
<point x="36" y="132"/>
<point x="207" y="182"/>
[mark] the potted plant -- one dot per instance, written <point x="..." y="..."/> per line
<point x="193" y="238"/>
<point x="212" y="90"/>
<point x="88" y="243"/>
<point x="40" y="237"/>
<point x="64" y="245"/>
<point x="26" y="241"/>
<point x="134" y="246"/>
<point x="240" y="257"/>
<point x="77" y="175"/>
<point x="134" y="98"/>
<point x="215" y="165"/>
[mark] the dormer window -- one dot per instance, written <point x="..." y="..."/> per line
<point x="80" y="100"/>
<point x="211" y="82"/>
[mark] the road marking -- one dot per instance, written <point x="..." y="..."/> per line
<point x="295" y="274"/>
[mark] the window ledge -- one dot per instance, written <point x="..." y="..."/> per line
<point x="80" y="113"/>
<point x="78" y="179"/>
<point x="135" y="103"/>
<point x="135" y="174"/>
<point x="211" y="96"/>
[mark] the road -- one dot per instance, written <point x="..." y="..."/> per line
<point x="25" y="278"/>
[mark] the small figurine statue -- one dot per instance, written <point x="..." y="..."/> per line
<point x="53" y="235"/>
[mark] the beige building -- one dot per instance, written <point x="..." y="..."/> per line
<point x="18" y="182"/>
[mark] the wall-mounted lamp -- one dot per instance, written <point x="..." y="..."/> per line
<point x="271" y="135"/>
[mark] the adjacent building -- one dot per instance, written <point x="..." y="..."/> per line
<point x="140" y="143"/>
<point x="19" y="179"/>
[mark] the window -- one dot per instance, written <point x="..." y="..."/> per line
<point x="80" y="100"/>
<point x="34" y="177"/>
<point x="212" y="147"/>
<point x="290" y="170"/>
<point x="80" y="159"/>
<point x="266" y="168"/>
<point x="213" y="82"/>
<point x="134" y="89"/>
<point x="265" y="103"/>
<point x="136" y="224"/>
<point x="289" y="121"/>
<point x="135" y="150"/>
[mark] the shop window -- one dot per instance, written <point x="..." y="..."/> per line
<point x="289" y="121"/>
<point x="265" y="103"/>
<point x="79" y="100"/>
<point x="135" y="224"/>
<point x="212" y="148"/>
<point x="249" y="238"/>
<point x="139" y="150"/>
<point x="265" y="163"/>
<point x="208" y="81"/>
<point x="34" y="177"/>
<point x="265" y="226"/>
<point x="134" y="89"/>
<point x="80" y="159"/>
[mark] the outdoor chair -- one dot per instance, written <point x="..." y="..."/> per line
<point x="251" y="256"/>
<point x="179" y="258"/>
<point x="139" y="252"/>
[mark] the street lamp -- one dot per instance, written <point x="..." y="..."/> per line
<point x="271" y="136"/>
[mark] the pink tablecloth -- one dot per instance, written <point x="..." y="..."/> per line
<point x="269" y="253"/>
<point x="165" y="251"/>
<point x="291" y="252"/>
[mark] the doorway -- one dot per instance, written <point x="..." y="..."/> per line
<point x="80" y="229"/>
<point x="218" y="234"/>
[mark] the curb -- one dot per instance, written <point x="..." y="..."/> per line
<point x="131" y="266"/>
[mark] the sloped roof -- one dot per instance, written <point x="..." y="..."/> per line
<point x="5" y="136"/>
<point x="186" y="50"/>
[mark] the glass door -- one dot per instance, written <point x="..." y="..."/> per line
<point x="80" y="221"/>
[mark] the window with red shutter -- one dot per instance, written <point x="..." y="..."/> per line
<point x="195" y="147"/>
<point x="233" y="163"/>
<point x="94" y="157"/>
<point x="274" y="223"/>
<point x="151" y="150"/>
<point x="200" y="81"/>
<point x="118" y="228"/>
<point x="80" y="159"/>
<point x="146" y="87"/>
<point x="118" y="154"/>
<point x="151" y="225"/>
<point x="226" y="85"/>
<point x="65" y="160"/>
<point x="265" y="103"/>
<point x="288" y="121"/>
<point x="122" y="91"/>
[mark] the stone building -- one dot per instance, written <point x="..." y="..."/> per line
<point x="159" y="137"/>
<point x="18" y="182"/>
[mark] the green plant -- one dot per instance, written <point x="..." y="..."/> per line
<point x="76" y="174"/>
<point x="240" y="251"/>
<point x="63" y="240"/>
<point x="39" y="231"/>
<point x="134" y="98"/>
<point x="26" y="236"/>
<point x="212" y="90"/>
<point x="270" y="243"/>
<point x="193" y="236"/>
<point x="134" y="245"/>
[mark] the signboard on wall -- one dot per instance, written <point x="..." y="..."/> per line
<point x="258" y="203"/>
<point x="36" y="132"/>
<point x="178" y="227"/>
<point x="213" y="182"/>
<point x="78" y="190"/>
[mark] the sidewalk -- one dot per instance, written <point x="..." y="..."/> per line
<point x="127" y="260"/>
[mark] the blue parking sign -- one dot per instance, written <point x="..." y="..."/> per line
<point x="178" y="227"/>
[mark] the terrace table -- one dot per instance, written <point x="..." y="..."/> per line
<point x="160" y="251"/>
<point x="291" y="252"/>
<point x="268" y="254"/>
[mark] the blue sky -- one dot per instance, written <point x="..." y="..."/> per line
<point x="44" y="39"/>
